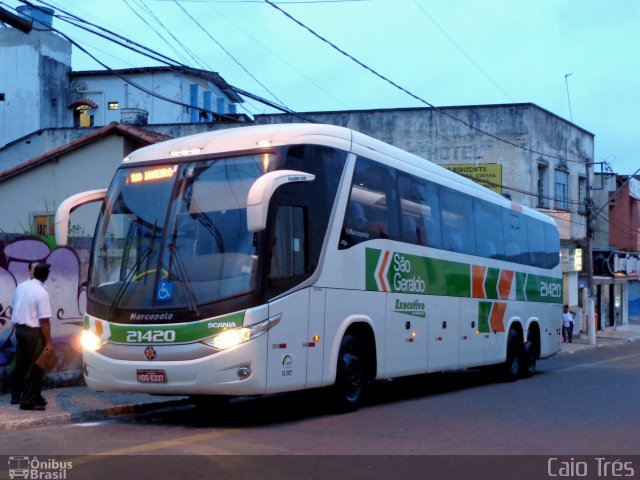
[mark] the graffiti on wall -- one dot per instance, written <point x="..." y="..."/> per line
<point x="68" y="299"/>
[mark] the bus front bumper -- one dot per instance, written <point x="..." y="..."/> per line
<point x="240" y="370"/>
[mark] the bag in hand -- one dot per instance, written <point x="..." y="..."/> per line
<point x="47" y="360"/>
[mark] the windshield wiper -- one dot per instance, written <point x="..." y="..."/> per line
<point x="127" y="281"/>
<point x="146" y="253"/>
<point x="183" y="275"/>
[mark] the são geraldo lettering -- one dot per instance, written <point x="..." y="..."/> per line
<point x="403" y="281"/>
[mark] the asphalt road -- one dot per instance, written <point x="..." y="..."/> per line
<point x="577" y="404"/>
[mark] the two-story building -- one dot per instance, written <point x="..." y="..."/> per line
<point x="616" y="253"/>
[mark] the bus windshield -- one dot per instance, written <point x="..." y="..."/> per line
<point x="175" y="236"/>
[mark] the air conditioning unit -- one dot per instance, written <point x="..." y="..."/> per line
<point x="79" y="86"/>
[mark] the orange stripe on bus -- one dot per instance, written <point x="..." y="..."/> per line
<point x="381" y="272"/>
<point x="99" y="329"/>
<point x="504" y="284"/>
<point x="477" y="274"/>
<point x="497" y="317"/>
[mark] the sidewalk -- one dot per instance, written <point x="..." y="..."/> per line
<point x="609" y="336"/>
<point x="79" y="404"/>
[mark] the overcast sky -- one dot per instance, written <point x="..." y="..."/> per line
<point x="448" y="52"/>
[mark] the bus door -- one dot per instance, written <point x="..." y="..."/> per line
<point x="473" y="337"/>
<point x="289" y="340"/>
<point x="406" y="335"/>
<point x="442" y="316"/>
<point x="288" y="343"/>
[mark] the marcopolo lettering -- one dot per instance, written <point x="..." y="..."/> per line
<point x="150" y="317"/>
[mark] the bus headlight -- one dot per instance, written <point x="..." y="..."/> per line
<point x="90" y="341"/>
<point x="235" y="336"/>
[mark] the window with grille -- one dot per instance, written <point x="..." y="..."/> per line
<point x="43" y="224"/>
<point x="562" y="190"/>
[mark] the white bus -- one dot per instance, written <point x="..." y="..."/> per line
<point x="276" y="258"/>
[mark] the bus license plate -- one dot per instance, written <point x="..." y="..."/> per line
<point x="151" y="376"/>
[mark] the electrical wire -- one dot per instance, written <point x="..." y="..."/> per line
<point x="467" y="56"/>
<point x="228" y="53"/>
<point x="279" y="57"/>
<point x="159" y="57"/>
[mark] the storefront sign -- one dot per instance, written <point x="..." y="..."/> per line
<point x="571" y="259"/>
<point x="491" y="173"/>
<point x="624" y="263"/>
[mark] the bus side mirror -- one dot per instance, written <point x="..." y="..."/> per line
<point x="68" y="206"/>
<point x="263" y="189"/>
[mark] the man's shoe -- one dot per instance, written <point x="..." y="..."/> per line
<point x="27" y="406"/>
<point x="42" y="401"/>
<point x="15" y="400"/>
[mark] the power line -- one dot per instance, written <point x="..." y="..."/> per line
<point x="468" y="57"/>
<point x="227" y="52"/>
<point x="279" y="57"/>
<point x="159" y="57"/>
<point x="411" y="94"/>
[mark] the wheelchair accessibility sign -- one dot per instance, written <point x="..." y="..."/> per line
<point x="164" y="292"/>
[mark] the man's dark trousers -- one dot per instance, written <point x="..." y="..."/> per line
<point x="30" y="345"/>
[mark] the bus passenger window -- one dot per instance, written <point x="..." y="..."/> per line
<point x="457" y="222"/>
<point x="367" y="216"/>
<point x="489" y="234"/>
<point x="515" y="237"/>
<point x="420" y="223"/>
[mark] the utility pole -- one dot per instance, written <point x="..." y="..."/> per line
<point x="566" y="84"/>
<point x="588" y="260"/>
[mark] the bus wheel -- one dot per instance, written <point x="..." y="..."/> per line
<point x="512" y="367"/>
<point x="529" y="358"/>
<point x="351" y="376"/>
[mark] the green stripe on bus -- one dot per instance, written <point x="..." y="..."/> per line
<point x="406" y="273"/>
<point x="521" y="279"/>
<point x="491" y="283"/>
<point x="173" y="333"/>
<point x="484" y="310"/>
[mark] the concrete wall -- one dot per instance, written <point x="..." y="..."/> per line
<point x="46" y="186"/>
<point x="604" y="186"/>
<point x="625" y="216"/>
<point x="67" y="289"/>
<point x="34" y="79"/>
<point x="103" y="89"/>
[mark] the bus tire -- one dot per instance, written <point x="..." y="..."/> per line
<point x="512" y="367"/>
<point x="529" y="359"/>
<point x="351" y="376"/>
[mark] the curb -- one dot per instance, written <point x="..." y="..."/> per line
<point x="62" y="418"/>
<point x="577" y="347"/>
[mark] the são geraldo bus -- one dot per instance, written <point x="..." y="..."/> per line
<point x="276" y="258"/>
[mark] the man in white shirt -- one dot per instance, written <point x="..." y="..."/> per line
<point x="31" y="310"/>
